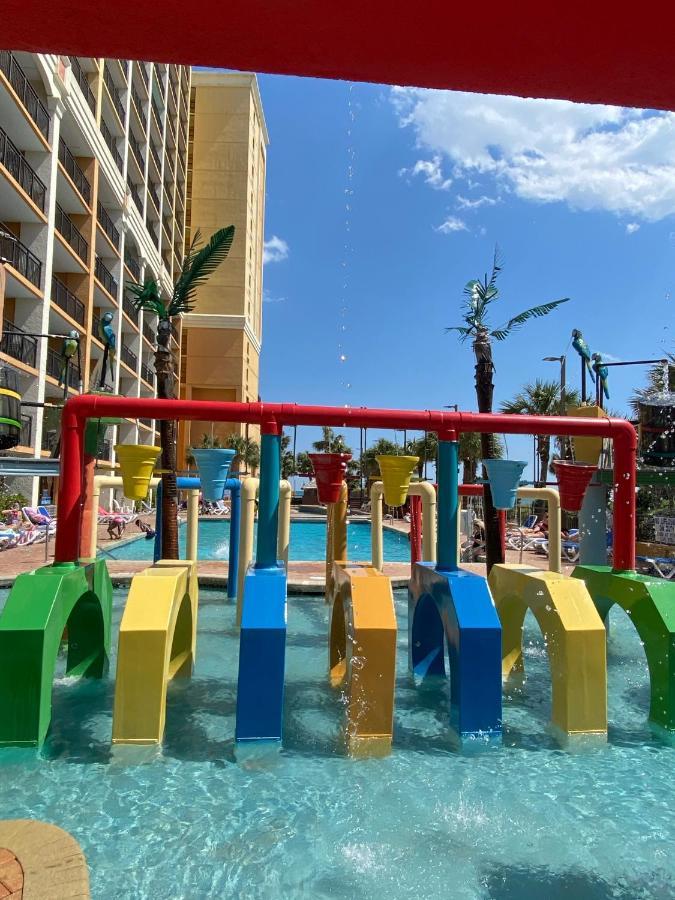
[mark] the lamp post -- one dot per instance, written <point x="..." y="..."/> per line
<point x="562" y="360"/>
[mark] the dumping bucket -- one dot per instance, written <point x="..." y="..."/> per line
<point x="504" y="477"/>
<point x="137" y="462"/>
<point x="573" y="479"/>
<point x="396" y="472"/>
<point x="214" y="468"/>
<point x="329" y="471"/>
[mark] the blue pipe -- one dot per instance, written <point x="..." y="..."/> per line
<point x="448" y="505"/>
<point x="233" y="485"/>
<point x="268" y="501"/>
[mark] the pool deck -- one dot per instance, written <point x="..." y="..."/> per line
<point x="303" y="577"/>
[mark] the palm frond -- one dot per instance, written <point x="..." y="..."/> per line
<point x="147" y="297"/>
<point x="198" y="265"/>
<point x="499" y="334"/>
<point x="463" y="332"/>
<point x="536" y="312"/>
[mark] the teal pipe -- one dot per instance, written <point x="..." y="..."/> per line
<point x="448" y="505"/>
<point x="268" y="501"/>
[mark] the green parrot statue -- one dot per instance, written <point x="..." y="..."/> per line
<point x="583" y="350"/>
<point x="602" y="372"/>
<point x="69" y="348"/>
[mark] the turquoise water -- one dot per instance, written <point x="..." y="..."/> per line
<point x="524" y="821"/>
<point x="308" y="541"/>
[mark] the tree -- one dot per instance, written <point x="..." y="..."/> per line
<point x="287" y="458"/>
<point x="425" y="448"/>
<point x="330" y="442"/>
<point x="247" y="451"/>
<point x="198" y="264"/>
<point x="478" y="298"/>
<point x="541" y="398"/>
<point x="207" y="443"/>
<point x="656" y="384"/>
<point x="303" y="464"/>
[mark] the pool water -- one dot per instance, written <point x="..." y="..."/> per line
<point x="526" y="820"/>
<point x="308" y="542"/>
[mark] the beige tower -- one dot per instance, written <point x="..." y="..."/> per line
<point x="226" y="186"/>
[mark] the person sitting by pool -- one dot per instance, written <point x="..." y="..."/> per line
<point x="13" y="515"/>
<point x="116" y="524"/>
<point x="146" y="529"/>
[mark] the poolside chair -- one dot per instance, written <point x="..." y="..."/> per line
<point x="220" y="508"/>
<point x="661" y="566"/>
<point x="105" y="518"/>
<point x="530" y="521"/>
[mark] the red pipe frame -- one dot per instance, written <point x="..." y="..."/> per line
<point x="273" y="416"/>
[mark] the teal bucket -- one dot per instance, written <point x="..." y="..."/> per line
<point x="504" y="477"/>
<point x="214" y="467"/>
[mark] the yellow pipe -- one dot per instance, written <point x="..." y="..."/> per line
<point x="336" y="536"/>
<point x="552" y="498"/>
<point x="249" y="491"/>
<point x="422" y="489"/>
<point x="192" y="524"/>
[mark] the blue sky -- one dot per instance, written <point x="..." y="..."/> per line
<point x="579" y="199"/>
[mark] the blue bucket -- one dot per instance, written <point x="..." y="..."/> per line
<point x="214" y="467"/>
<point x="504" y="477"/>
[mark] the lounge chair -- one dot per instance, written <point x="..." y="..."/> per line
<point x="661" y="566"/>
<point x="105" y="518"/>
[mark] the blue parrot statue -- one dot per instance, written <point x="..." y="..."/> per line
<point x="602" y="372"/>
<point x="583" y="350"/>
<point x="107" y="335"/>
<point x="68" y="350"/>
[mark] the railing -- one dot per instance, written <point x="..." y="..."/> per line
<point x="143" y="72"/>
<point x="168" y="167"/>
<point x="112" y="145"/>
<point x="106" y="224"/>
<point x="105" y="277"/>
<point x="129" y="357"/>
<point x="67" y="301"/>
<point x="66" y="227"/>
<point x="26" y="439"/>
<point x="149" y="332"/>
<point x="106" y="450"/>
<point x="147" y="374"/>
<point x="147" y="423"/>
<point x="133" y="266"/>
<point x="114" y="93"/>
<point x="168" y="202"/>
<point x="136" y="149"/>
<point x="95" y="325"/>
<point x="170" y="128"/>
<point x="138" y="103"/>
<point x="25" y="91"/>
<point x="152" y="190"/>
<point x="83" y="81"/>
<point x="133" y="190"/>
<point x="20" y="258"/>
<point x="157" y="114"/>
<point x="181" y="130"/>
<point x="153" y="233"/>
<point x="181" y="160"/>
<point x="17" y="344"/>
<point x="129" y="308"/>
<point x="50" y="439"/>
<point x="55" y="365"/>
<point x="15" y="163"/>
<point x="76" y="174"/>
<point x="155" y="155"/>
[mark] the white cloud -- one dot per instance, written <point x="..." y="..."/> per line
<point x="431" y="171"/>
<point x="467" y="203"/>
<point x="590" y="157"/>
<point x="451" y="224"/>
<point x="268" y="298"/>
<point x="632" y="227"/>
<point x="275" y="250"/>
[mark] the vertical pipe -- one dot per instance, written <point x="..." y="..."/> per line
<point x="89" y="522"/>
<point x="428" y="494"/>
<point x="93" y="524"/>
<point x="330" y="510"/>
<point x="284" y="538"/>
<point x="268" y="509"/>
<point x="157" y="549"/>
<point x="235" y="521"/>
<point x="376" y="551"/>
<point x="192" y="524"/>
<point x="448" y="504"/>
<point x="501" y="515"/>
<point x="249" y="489"/>
<point x="340" y="525"/>
<point x="70" y="489"/>
<point x="415" y="530"/>
<point x="625" y="459"/>
<point x="593" y="526"/>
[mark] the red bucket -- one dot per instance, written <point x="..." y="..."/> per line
<point x="329" y="470"/>
<point x="573" y="479"/>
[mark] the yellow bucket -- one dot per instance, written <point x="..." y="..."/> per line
<point x="396" y="472"/>
<point x="587" y="450"/>
<point x="137" y="462"/>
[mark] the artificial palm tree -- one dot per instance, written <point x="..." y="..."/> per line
<point x="478" y="298"/>
<point x="199" y="263"/>
<point x="656" y="384"/>
<point x="541" y="398"/>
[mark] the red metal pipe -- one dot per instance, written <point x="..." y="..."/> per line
<point x="415" y="530"/>
<point x="273" y="416"/>
<point x="471" y="490"/>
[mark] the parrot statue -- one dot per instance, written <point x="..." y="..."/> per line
<point x="583" y="350"/>
<point x="107" y="335"/>
<point x="69" y="348"/>
<point x="602" y="372"/>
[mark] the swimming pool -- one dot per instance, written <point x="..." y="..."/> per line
<point x="308" y="541"/>
<point x="525" y="820"/>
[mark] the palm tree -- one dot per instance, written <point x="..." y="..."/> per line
<point x="425" y="448"/>
<point x="198" y="265"/>
<point x="656" y="384"/>
<point x="381" y="447"/>
<point x="247" y="452"/>
<point x="478" y="297"/>
<point x="330" y="442"/>
<point x="541" y="398"/>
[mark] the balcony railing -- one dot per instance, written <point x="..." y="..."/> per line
<point x="106" y="450"/>
<point x="66" y="227"/>
<point x="152" y="190"/>
<point x="26" y="439"/>
<point x="139" y="105"/>
<point x="146" y="422"/>
<point x="50" y="439"/>
<point x="25" y="91"/>
<point x="105" y="277"/>
<point x="136" y="150"/>
<point x="95" y="325"/>
<point x="157" y="114"/>
<point x="153" y="233"/>
<point x="112" y="145"/>
<point x="147" y="374"/>
<point x="143" y="72"/>
<point x="76" y="174"/>
<point x="155" y="155"/>
<point x="83" y="81"/>
<point x="15" y="163"/>
<point x="129" y="357"/>
<point x="114" y="93"/>
<point x="18" y="345"/>
<point x="55" y="365"/>
<point x="133" y="190"/>
<point x="20" y="258"/>
<point x="133" y="266"/>
<point x="67" y="301"/>
<point x="149" y="332"/>
<point x="106" y="224"/>
<point x="129" y="308"/>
